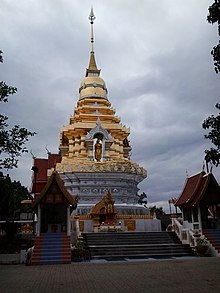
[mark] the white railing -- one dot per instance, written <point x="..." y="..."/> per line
<point x="188" y="235"/>
<point x="185" y="234"/>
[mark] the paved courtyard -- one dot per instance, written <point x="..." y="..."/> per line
<point x="178" y="275"/>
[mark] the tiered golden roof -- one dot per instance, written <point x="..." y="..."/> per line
<point x="94" y="118"/>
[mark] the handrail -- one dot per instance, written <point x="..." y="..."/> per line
<point x="186" y="235"/>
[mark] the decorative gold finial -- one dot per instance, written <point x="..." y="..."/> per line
<point x="92" y="18"/>
<point x="92" y="69"/>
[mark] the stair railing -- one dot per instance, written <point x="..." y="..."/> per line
<point x="187" y="235"/>
<point x="182" y="232"/>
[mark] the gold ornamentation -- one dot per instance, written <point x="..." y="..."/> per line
<point x="130" y="224"/>
<point x="98" y="150"/>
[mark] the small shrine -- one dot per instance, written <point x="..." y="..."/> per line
<point x="54" y="206"/>
<point x="200" y="202"/>
<point x="104" y="214"/>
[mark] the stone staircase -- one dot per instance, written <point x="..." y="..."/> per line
<point x="51" y="248"/>
<point x="135" y="245"/>
<point x="213" y="235"/>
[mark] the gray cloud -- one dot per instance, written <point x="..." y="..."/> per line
<point x="155" y="59"/>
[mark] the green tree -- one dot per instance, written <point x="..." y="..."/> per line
<point x="11" y="195"/>
<point x="12" y="141"/>
<point x="214" y="17"/>
<point x="158" y="211"/>
<point x="213" y="123"/>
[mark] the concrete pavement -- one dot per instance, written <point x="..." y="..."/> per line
<point x="199" y="274"/>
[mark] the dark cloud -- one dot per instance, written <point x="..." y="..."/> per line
<point x="155" y="59"/>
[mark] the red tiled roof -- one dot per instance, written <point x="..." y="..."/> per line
<point x="41" y="176"/>
<point x="189" y="189"/>
<point x="42" y="165"/>
<point x="203" y="184"/>
<point x="53" y="159"/>
<point x="195" y="188"/>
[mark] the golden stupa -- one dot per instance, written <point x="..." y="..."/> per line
<point x="95" y="152"/>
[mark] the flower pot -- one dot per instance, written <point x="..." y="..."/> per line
<point x="201" y="250"/>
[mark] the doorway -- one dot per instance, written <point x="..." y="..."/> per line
<point x="53" y="218"/>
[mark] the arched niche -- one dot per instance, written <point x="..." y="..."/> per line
<point x="100" y="135"/>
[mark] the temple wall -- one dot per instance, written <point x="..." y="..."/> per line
<point x="148" y="225"/>
<point x="88" y="226"/>
<point x="129" y="225"/>
<point x="92" y="186"/>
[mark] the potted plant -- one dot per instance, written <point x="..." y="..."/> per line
<point x="201" y="245"/>
<point x="196" y="233"/>
<point x="79" y="252"/>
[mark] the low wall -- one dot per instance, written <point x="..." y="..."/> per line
<point x="10" y="258"/>
<point x="153" y="225"/>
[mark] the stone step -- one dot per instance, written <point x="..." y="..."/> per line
<point x="52" y="248"/>
<point x="135" y="244"/>
<point x="132" y="253"/>
<point x="125" y="237"/>
<point x="143" y="255"/>
<point x="136" y="248"/>
<point x="51" y="261"/>
<point x="128" y="234"/>
<point x="125" y="241"/>
<point x="213" y="235"/>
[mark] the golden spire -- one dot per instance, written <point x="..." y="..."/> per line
<point x="92" y="69"/>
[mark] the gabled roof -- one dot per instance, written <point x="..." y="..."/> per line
<point x="56" y="181"/>
<point x="99" y="129"/>
<point x="195" y="188"/>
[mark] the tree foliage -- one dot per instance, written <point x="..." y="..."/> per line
<point x="157" y="211"/>
<point x="12" y="193"/>
<point x="214" y="17"/>
<point x="213" y="123"/>
<point x="12" y="141"/>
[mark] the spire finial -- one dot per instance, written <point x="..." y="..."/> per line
<point x="92" y="69"/>
<point x="92" y="18"/>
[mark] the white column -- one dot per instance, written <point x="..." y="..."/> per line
<point x="78" y="234"/>
<point x="192" y="218"/>
<point x="68" y="220"/>
<point x="39" y="220"/>
<point x="103" y="150"/>
<point x="199" y="218"/>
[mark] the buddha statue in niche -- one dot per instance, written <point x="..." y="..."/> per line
<point x="98" y="150"/>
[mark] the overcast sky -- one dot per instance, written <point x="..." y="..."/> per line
<point x="155" y="59"/>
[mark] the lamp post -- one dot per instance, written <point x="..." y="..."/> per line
<point x="35" y="169"/>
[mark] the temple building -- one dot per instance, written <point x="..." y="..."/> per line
<point x="94" y="162"/>
<point x="200" y="202"/>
